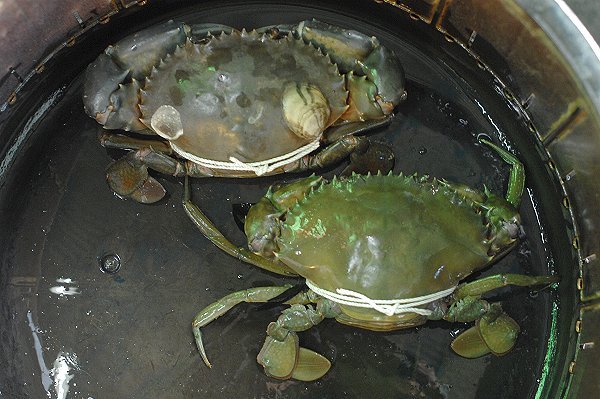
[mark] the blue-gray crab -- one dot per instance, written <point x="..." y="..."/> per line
<point x="239" y="104"/>
<point x="380" y="252"/>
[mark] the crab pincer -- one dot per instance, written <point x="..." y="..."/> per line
<point x="374" y="75"/>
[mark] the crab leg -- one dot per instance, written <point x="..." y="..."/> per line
<point x="330" y="155"/>
<point x="516" y="181"/>
<point x="282" y="357"/>
<point x="123" y="142"/>
<point x="211" y="232"/>
<point x="225" y="304"/>
<point x="199" y="32"/>
<point x="365" y="156"/>
<point x="128" y="176"/>
<point x="467" y="305"/>
<point x="494" y="330"/>
<point x="336" y="132"/>
<point x="486" y="284"/>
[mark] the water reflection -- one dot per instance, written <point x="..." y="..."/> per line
<point x="62" y="371"/>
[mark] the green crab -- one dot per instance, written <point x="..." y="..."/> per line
<point x="379" y="252"/>
<point x="239" y="104"/>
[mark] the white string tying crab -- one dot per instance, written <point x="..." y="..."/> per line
<point x="388" y="307"/>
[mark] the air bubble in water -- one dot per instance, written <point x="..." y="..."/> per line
<point x="110" y="263"/>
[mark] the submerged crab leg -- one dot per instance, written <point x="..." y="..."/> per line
<point x="330" y="155"/>
<point x="486" y="284"/>
<point x="123" y="142"/>
<point x="211" y="232"/>
<point x="365" y="156"/>
<point x="516" y="181"/>
<point x="281" y="356"/>
<point x="336" y="132"/>
<point x="223" y="305"/>
<point x="128" y="176"/>
<point x="494" y="330"/>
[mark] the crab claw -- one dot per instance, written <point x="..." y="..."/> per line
<point x="383" y="68"/>
<point x="362" y="100"/>
<point x="382" y="86"/>
<point x="102" y="78"/>
<point x="495" y="332"/>
<point x="111" y="88"/>
<point x="129" y="178"/>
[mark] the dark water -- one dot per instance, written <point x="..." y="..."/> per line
<point x="128" y="335"/>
